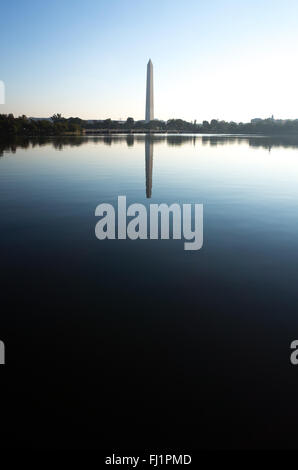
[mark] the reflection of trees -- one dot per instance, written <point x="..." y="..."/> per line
<point x="130" y="140"/>
<point x="12" y="145"/>
<point x="266" y="142"/>
<point x="107" y="140"/>
<point x="220" y="140"/>
<point x="58" y="143"/>
<point x="270" y="142"/>
<point x="173" y="140"/>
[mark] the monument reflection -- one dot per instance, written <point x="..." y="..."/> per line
<point x="148" y="164"/>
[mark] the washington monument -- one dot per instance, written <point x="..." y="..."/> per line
<point x="149" y="115"/>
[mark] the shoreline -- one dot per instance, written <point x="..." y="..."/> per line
<point x="143" y="132"/>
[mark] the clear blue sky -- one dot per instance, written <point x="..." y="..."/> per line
<point x="224" y="59"/>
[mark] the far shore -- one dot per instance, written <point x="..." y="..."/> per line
<point x="87" y="132"/>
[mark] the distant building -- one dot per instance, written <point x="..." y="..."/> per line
<point x="255" y="120"/>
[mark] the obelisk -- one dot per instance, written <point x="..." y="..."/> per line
<point x="149" y="115"/>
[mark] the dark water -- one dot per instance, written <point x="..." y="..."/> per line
<point x="140" y="344"/>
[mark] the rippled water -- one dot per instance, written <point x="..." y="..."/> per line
<point x="132" y="343"/>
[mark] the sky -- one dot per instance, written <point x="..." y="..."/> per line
<point x="220" y="59"/>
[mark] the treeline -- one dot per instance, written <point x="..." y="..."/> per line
<point x="58" y="125"/>
<point x="23" y="126"/>
<point x="262" y="126"/>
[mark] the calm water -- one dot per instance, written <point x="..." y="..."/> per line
<point x="126" y="344"/>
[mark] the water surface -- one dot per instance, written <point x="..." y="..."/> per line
<point x="140" y="343"/>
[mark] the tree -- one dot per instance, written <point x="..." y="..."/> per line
<point x="130" y="122"/>
<point x="214" y="124"/>
<point x="56" y="117"/>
